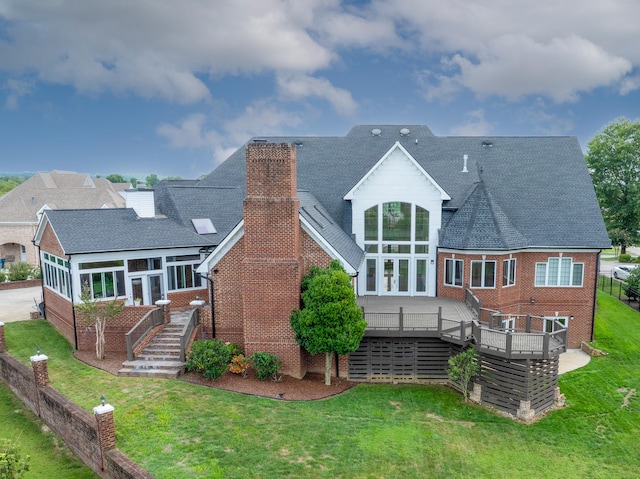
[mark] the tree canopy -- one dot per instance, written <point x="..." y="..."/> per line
<point x="613" y="157"/>
<point x="330" y="319"/>
<point x="116" y="178"/>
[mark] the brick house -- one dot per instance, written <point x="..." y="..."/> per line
<point x="21" y="208"/>
<point x="512" y="221"/>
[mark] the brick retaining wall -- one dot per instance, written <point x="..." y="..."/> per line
<point x="77" y="427"/>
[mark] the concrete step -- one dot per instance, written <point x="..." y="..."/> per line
<point x="151" y="373"/>
<point x="144" y="364"/>
<point x="159" y="356"/>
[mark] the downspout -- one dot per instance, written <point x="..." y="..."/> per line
<point x="73" y="309"/>
<point x="595" y="297"/>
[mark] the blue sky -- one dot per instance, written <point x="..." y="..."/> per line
<point x="172" y="88"/>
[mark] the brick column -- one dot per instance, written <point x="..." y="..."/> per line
<point x="3" y="343"/>
<point x="40" y="370"/>
<point x="106" y="429"/>
<point x="165" y="304"/>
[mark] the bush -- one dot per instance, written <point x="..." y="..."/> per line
<point x="267" y="365"/>
<point x="3" y="276"/>
<point x="12" y="465"/>
<point x="239" y="365"/>
<point x="209" y="357"/>
<point x="19" y="271"/>
<point x="36" y="272"/>
<point x="624" y="258"/>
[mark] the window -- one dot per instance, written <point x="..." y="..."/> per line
<point x="181" y="272"/>
<point x="396" y="221"/>
<point x="371" y="274"/>
<point x="105" y="279"/>
<point x="421" y="275"/>
<point x="453" y="271"/>
<point x="559" y="272"/>
<point x="555" y="323"/>
<point x="483" y="274"/>
<point x="509" y="272"/>
<point x="371" y="224"/>
<point x="56" y="274"/>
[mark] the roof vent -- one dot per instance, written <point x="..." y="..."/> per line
<point x="376" y="132"/>
<point x="404" y="131"/>
<point x="464" y="167"/>
<point x="298" y="143"/>
<point x="259" y="140"/>
<point x="487" y="143"/>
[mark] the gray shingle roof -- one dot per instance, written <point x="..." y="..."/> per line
<point x="315" y="214"/>
<point x="541" y="184"/>
<point x="88" y="231"/>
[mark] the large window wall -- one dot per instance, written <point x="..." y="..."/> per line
<point x="396" y="242"/>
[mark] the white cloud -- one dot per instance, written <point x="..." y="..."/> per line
<point x="298" y="87"/>
<point x="475" y="125"/>
<point x="16" y="89"/>
<point x="198" y="130"/>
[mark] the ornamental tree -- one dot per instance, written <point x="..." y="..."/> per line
<point x="613" y="157"/>
<point x="462" y="368"/>
<point x="330" y="320"/>
<point x="97" y="313"/>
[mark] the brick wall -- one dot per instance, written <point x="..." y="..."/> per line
<point x="547" y="301"/>
<point x="77" y="427"/>
<point x="11" y="237"/>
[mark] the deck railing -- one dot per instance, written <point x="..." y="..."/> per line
<point x="149" y="321"/>
<point x="187" y="331"/>
<point x="524" y="337"/>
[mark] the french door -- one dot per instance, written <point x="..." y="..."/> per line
<point x="147" y="288"/>
<point x="395" y="276"/>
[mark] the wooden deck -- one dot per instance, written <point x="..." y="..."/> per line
<point x="454" y="322"/>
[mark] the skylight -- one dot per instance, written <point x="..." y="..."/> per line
<point x="203" y="226"/>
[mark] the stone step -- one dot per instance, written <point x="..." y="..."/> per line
<point x="159" y="348"/>
<point x="159" y="356"/>
<point x="151" y="373"/>
<point x="143" y="364"/>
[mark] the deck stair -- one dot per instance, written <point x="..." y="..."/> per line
<point x="161" y="357"/>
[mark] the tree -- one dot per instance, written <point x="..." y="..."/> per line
<point x="116" y="178"/>
<point x="462" y="367"/>
<point x="330" y="320"/>
<point x="98" y="313"/>
<point x="134" y="182"/>
<point x="12" y="464"/>
<point x="613" y="157"/>
<point x="152" y="180"/>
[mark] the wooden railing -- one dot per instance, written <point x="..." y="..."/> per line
<point x="187" y="331"/>
<point x="149" y="321"/>
<point x="525" y="340"/>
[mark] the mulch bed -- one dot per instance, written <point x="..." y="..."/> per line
<point x="311" y="387"/>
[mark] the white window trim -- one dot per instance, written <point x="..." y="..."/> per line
<point x="454" y="260"/>
<point x="506" y="272"/>
<point x="484" y="263"/>
<point x="557" y="284"/>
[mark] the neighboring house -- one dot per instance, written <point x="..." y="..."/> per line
<point x="511" y="222"/>
<point x="21" y="208"/>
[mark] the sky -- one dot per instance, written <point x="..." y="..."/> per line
<point x="174" y="87"/>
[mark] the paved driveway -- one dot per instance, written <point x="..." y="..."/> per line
<point x="17" y="304"/>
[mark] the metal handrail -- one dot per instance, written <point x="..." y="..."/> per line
<point x="149" y="321"/>
<point x="187" y="331"/>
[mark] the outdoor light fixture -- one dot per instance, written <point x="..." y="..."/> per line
<point x="533" y="299"/>
<point x="571" y="318"/>
<point x="37" y="351"/>
<point x="102" y="400"/>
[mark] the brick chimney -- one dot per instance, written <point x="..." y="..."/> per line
<point x="272" y="263"/>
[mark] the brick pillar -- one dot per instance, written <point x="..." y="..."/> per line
<point x="40" y="370"/>
<point x="3" y="343"/>
<point x="525" y="413"/>
<point x="558" y="398"/>
<point x="165" y="304"/>
<point x="106" y="429"/>
<point x="272" y="262"/>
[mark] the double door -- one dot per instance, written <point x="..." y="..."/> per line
<point x="146" y="288"/>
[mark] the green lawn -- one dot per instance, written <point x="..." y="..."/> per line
<point x="175" y="429"/>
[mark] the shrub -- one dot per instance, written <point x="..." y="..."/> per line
<point x="267" y="365"/>
<point x="234" y="349"/>
<point x="624" y="258"/>
<point x="19" y="271"/>
<point x="36" y="272"/>
<point x="12" y="465"/>
<point x="462" y="367"/>
<point x="3" y="276"/>
<point x="209" y="357"/>
<point x="239" y="365"/>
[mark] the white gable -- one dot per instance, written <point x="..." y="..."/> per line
<point x="398" y="172"/>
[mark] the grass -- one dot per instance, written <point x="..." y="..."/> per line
<point x="49" y="456"/>
<point x="176" y="429"/>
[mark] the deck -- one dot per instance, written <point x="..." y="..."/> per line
<point x="455" y="322"/>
